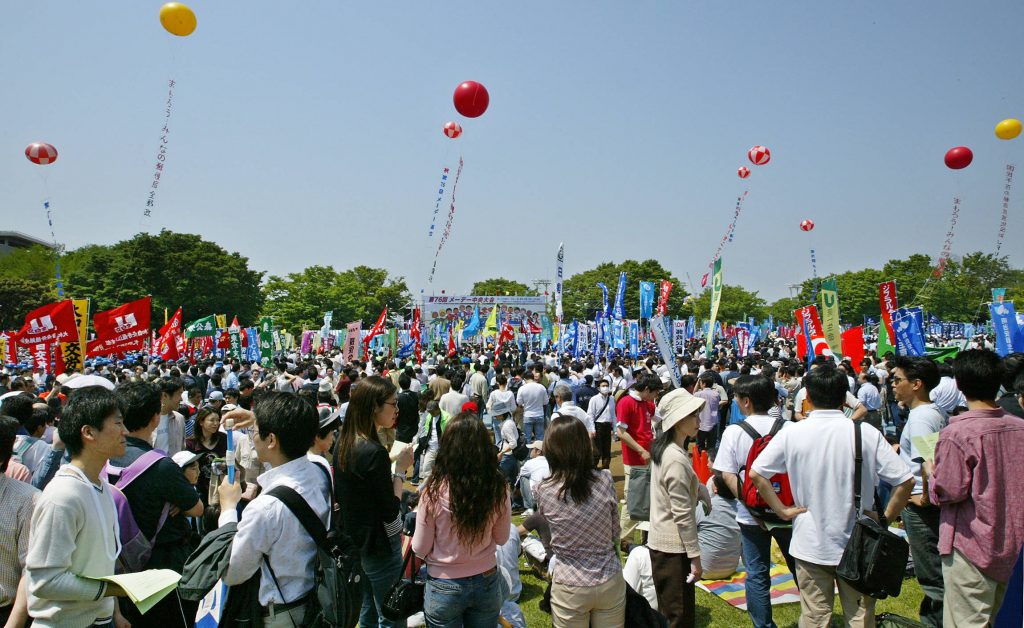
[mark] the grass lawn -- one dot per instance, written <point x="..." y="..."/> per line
<point x="711" y="610"/>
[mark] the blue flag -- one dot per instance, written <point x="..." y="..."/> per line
<point x="1009" y="337"/>
<point x="472" y="328"/>
<point x="691" y="327"/>
<point x="406" y="350"/>
<point x="646" y="299"/>
<point x="604" y="298"/>
<point x="634" y="338"/>
<point x="619" y="311"/>
<point x="909" y="337"/>
<point x="598" y="328"/>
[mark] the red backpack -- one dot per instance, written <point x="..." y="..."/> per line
<point x="757" y="507"/>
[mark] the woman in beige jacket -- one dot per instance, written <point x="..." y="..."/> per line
<point x="675" y="553"/>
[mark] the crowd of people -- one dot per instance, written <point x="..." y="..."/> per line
<point x="457" y="467"/>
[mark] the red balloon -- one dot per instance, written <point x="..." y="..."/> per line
<point x="743" y="172"/>
<point x="41" y="153"/>
<point x="807" y="225"/>
<point x="471" y="99"/>
<point x="452" y="129"/>
<point x="759" y="155"/>
<point x="959" y="157"/>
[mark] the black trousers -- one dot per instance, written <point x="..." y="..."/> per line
<point x="676" y="597"/>
<point x="603" y="444"/>
<point x="706" y="440"/>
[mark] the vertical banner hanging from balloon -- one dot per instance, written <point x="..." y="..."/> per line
<point x="947" y="246"/>
<point x="716" y="298"/>
<point x="56" y="247"/>
<point x="814" y="276"/>
<point x="727" y="237"/>
<point x="437" y="203"/>
<point x="1006" y="207"/>
<point x="558" y="282"/>
<point x="448" y="223"/>
<point x="161" y="155"/>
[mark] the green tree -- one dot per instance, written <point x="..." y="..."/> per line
<point x="581" y="297"/>
<point x="20" y="296"/>
<point x="298" y="301"/>
<point x="175" y="269"/>
<point x="782" y="310"/>
<point x="502" y="286"/>
<point x="35" y="263"/>
<point x="737" y="304"/>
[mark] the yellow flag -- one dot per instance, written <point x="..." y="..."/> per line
<point x="222" y="321"/>
<point x="830" y="316"/>
<point x="491" y="325"/>
<point x="74" y="352"/>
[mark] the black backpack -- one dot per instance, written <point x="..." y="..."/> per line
<point x="338" y="576"/>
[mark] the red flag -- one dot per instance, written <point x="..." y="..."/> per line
<point x="41" y="357"/>
<point x="241" y="332"/>
<point x="704" y="280"/>
<point x="58" y="359"/>
<point x="223" y="339"/>
<point x="170" y="335"/>
<point x="414" y="331"/>
<point x="666" y="289"/>
<point x="51" y="323"/>
<point x="888" y="304"/>
<point x="530" y="327"/>
<point x="124" y="328"/>
<point x="807" y="316"/>
<point x="853" y="345"/>
<point x="506" y="334"/>
<point x="451" y="342"/>
<point x="376" y="330"/>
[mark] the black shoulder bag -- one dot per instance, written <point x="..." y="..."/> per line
<point x="875" y="559"/>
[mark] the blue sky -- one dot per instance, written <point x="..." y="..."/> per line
<point x="310" y="132"/>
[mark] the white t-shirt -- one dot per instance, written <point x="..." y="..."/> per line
<point x="732" y="455"/>
<point x="570" y="409"/>
<point x="532" y="396"/>
<point x="851" y="402"/>
<point x="537" y="469"/>
<point x="922" y="421"/>
<point x="638" y="574"/>
<point x="817" y="453"/>
<point x="501" y="402"/>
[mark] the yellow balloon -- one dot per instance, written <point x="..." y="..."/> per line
<point x="178" y="19"/>
<point x="1008" y="129"/>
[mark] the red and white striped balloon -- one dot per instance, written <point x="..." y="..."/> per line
<point x="807" y="225"/>
<point x="41" y="153"/>
<point x="743" y="172"/>
<point x="452" y="129"/>
<point x="759" y="155"/>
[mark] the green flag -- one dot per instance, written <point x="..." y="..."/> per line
<point x="830" y="315"/>
<point x="941" y="354"/>
<point x="266" y="340"/>
<point x="206" y="326"/>
<point x="883" y="343"/>
<point x="716" y="298"/>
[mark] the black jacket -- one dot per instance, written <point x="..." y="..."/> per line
<point x="365" y="494"/>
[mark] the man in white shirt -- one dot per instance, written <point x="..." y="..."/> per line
<point x="946" y="395"/>
<point x="601" y="410"/>
<point x="755" y="396"/>
<point x="268" y="532"/>
<point x="169" y="436"/>
<point x="802" y="405"/>
<point x="532" y="473"/>
<point x="913" y="379"/>
<point x="532" y="397"/>
<point x="452" y="401"/>
<point x="565" y="407"/>
<point x="818" y="455"/>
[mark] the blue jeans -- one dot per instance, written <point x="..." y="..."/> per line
<point x="496" y="427"/>
<point x="526" y="490"/>
<point x="473" y="602"/>
<point x="757" y="546"/>
<point x="379" y="574"/>
<point x="533" y="428"/>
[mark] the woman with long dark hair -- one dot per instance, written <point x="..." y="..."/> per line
<point x="675" y="553"/>
<point x="367" y="492"/>
<point x="581" y="508"/>
<point x="209" y="443"/>
<point x="464" y="513"/>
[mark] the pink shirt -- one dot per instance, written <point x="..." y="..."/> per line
<point x="436" y="542"/>
<point x="18" y="471"/>
<point x="977" y="484"/>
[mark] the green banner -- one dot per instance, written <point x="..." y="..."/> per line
<point x="883" y="343"/>
<point x="235" y="338"/>
<point x="206" y="326"/>
<point x="716" y="298"/>
<point x="393" y="341"/>
<point x="941" y="354"/>
<point x="830" y="315"/>
<point x="266" y="340"/>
